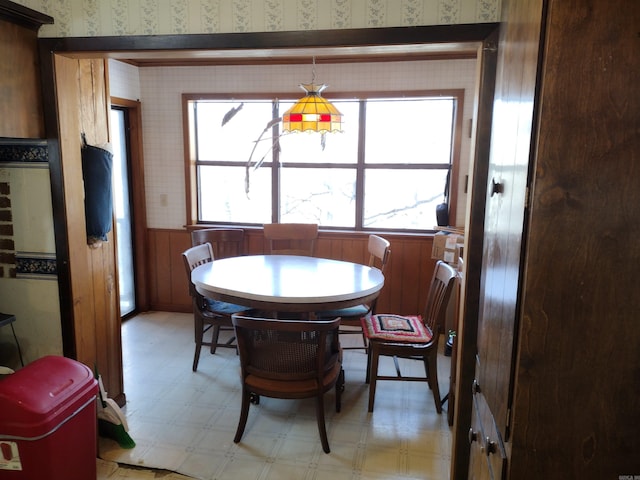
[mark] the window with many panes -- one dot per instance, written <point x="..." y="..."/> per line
<point x="385" y="171"/>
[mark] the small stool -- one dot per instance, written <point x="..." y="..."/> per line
<point x="7" y="319"/>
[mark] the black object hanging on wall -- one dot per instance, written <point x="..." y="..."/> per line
<point x="97" y="165"/>
<point x="442" y="209"/>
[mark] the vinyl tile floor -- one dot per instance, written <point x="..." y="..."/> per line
<point x="183" y="422"/>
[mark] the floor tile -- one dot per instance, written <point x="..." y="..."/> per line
<point x="185" y="421"/>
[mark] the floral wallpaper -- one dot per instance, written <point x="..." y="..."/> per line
<point x="79" y="18"/>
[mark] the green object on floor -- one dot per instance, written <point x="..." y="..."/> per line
<point x="115" y="432"/>
<point x="111" y="421"/>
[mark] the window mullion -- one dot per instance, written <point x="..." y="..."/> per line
<point x="275" y="164"/>
<point x="196" y="175"/>
<point x="360" y="166"/>
<point x="195" y="150"/>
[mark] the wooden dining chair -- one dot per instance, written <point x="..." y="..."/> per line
<point x="291" y="238"/>
<point x="225" y="242"/>
<point x="379" y="252"/>
<point x="413" y="337"/>
<point x="289" y="359"/>
<point x="208" y="314"/>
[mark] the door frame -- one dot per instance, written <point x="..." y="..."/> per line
<point x="138" y="201"/>
<point x="483" y="33"/>
<point x="470" y="293"/>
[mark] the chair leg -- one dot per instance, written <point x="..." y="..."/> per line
<point x="367" y="377"/>
<point x="198" y="332"/>
<point x="364" y="342"/>
<point x="339" y="390"/>
<point x="215" y="333"/>
<point x="244" y="414"/>
<point x="374" y="356"/>
<point x="196" y="359"/>
<point x="322" y="429"/>
<point x="432" y="376"/>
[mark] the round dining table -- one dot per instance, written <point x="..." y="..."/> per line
<point x="288" y="283"/>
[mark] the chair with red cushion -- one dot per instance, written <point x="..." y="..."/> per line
<point x="414" y="337"/>
<point x="379" y="252"/>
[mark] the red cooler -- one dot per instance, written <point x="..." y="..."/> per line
<point x="48" y="421"/>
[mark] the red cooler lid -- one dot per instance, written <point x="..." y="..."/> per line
<point x="37" y="398"/>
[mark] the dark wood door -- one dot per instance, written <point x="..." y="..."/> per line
<point x="505" y="214"/>
<point x="576" y="409"/>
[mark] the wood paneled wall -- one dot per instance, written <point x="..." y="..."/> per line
<point x="21" y="113"/>
<point x="83" y="108"/>
<point x="407" y="276"/>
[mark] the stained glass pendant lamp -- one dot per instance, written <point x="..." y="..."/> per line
<point x="312" y="113"/>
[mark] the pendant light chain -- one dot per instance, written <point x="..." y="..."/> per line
<point x="313" y="70"/>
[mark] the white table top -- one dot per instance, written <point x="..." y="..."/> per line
<point x="288" y="282"/>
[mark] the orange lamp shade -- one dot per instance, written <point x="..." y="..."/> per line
<point x="312" y="113"/>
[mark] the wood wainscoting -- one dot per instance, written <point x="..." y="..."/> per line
<point x="407" y="275"/>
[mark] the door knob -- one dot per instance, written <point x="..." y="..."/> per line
<point x="488" y="447"/>
<point x="496" y="187"/>
<point x="475" y="388"/>
<point x="473" y="436"/>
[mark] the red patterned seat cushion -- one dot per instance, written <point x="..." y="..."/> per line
<point x="396" y="328"/>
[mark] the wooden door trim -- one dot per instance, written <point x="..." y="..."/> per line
<point x="474" y="238"/>
<point x="138" y="197"/>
